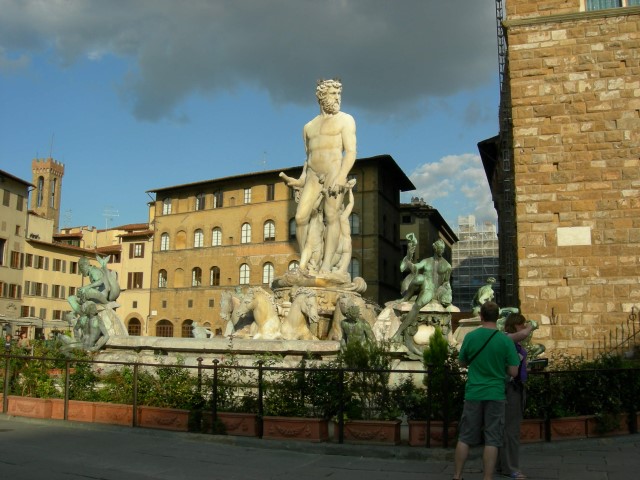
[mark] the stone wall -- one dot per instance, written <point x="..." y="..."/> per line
<point x="575" y="83"/>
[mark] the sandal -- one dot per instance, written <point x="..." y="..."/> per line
<point x="515" y="475"/>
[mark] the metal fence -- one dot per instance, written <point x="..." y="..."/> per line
<point x="218" y="386"/>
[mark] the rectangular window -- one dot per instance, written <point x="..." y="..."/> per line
<point x="603" y="4"/>
<point x="6" y="198"/>
<point x="211" y="303"/>
<point x="15" y="291"/>
<point x="190" y="303"/>
<point x="3" y="242"/>
<point x="20" y="203"/>
<point x="24" y="311"/>
<point x="134" y="304"/>
<point x="43" y="313"/>
<point x="136" y="250"/>
<point x="247" y="195"/>
<point x="28" y="261"/>
<point x="217" y="199"/>
<point x="271" y="191"/>
<point x="17" y="260"/>
<point x="55" y="291"/>
<point x="74" y="267"/>
<point x="164" y="304"/>
<point x="57" y="314"/>
<point x="72" y="290"/>
<point x="134" y="280"/>
<point x="57" y="265"/>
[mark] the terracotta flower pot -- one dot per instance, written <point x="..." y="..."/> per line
<point x="569" y="427"/>
<point x="78" y="411"/>
<point x="371" y="431"/>
<point x="531" y="430"/>
<point x="163" y="418"/>
<point x="238" y="424"/>
<point x="29" y="407"/>
<point x="113" y="413"/>
<point x="290" y="428"/>
<point x="418" y="433"/>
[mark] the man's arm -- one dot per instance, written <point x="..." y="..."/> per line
<point x="522" y="334"/>
<point x="512" y="371"/>
<point x="348" y="146"/>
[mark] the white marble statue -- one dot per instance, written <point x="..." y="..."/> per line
<point x="330" y="145"/>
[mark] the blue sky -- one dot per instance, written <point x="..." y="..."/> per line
<point x="137" y="95"/>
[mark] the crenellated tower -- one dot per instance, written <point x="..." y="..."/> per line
<point x="47" y="177"/>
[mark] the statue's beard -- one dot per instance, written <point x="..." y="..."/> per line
<point x="331" y="107"/>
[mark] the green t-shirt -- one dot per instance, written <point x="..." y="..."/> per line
<point x="487" y="372"/>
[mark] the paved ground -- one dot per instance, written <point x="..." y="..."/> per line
<point x="56" y="450"/>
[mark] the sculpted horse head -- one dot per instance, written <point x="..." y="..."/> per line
<point x="266" y="324"/>
<point x="304" y="307"/>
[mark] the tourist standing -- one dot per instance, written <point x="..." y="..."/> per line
<point x="517" y="329"/>
<point x="489" y="356"/>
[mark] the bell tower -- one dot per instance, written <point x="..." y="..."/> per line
<point x="47" y="177"/>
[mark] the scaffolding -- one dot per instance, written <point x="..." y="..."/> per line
<point x="475" y="258"/>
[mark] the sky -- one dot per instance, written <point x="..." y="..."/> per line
<point x="138" y="95"/>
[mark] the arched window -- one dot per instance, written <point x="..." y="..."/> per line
<point x="198" y="239"/>
<point x="52" y="193"/>
<point x="354" y="223"/>
<point x="200" y="201"/>
<point x="216" y="237"/>
<point x="135" y="327"/>
<point x="166" y="206"/>
<point x="164" y="242"/>
<point x="245" y="236"/>
<point x="40" y="191"/>
<point x="245" y="274"/>
<point x="292" y="228"/>
<point x="269" y="231"/>
<point x="214" y="276"/>
<point x="196" y="277"/>
<point x="294" y="264"/>
<point x="354" y="268"/>
<point x="162" y="279"/>
<point x="164" y="328"/>
<point x="186" y="331"/>
<point x="267" y="273"/>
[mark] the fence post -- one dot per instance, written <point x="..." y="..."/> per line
<point x="445" y="412"/>
<point x="214" y="395"/>
<point x="199" y="360"/>
<point x="547" y="407"/>
<point x="260" y="393"/>
<point x="341" y="405"/>
<point x="134" y="417"/>
<point x="7" y="370"/>
<point x="429" y="406"/>
<point x="67" y="381"/>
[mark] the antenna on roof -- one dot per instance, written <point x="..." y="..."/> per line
<point x="263" y="162"/>
<point x="109" y="213"/>
<point x="66" y="218"/>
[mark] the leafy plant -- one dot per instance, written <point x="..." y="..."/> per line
<point x="444" y="379"/>
<point x="367" y="394"/>
<point x="170" y="386"/>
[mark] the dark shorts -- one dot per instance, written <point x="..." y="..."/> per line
<point x="486" y="417"/>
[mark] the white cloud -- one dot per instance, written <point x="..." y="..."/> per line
<point x="455" y="185"/>
<point x="400" y="54"/>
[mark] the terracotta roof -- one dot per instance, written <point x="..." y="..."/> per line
<point x="68" y="235"/>
<point x="144" y="233"/>
<point x="109" y="248"/>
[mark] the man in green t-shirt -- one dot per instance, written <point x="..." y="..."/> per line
<point x="490" y="356"/>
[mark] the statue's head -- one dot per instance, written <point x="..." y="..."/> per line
<point x="329" y="95"/>
<point x="438" y="246"/>
<point x="352" y="313"/>
<point x="83" y="265"/>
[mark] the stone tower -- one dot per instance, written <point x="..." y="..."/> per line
<point x="47" y="177"/>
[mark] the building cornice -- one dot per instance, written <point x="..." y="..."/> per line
<point x="572" y="17"/>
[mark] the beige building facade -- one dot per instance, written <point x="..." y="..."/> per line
<point x="239" y="231"/>
<point x="565" y="169"/>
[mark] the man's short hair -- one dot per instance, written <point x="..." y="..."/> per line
<point x="489" y="312"/>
